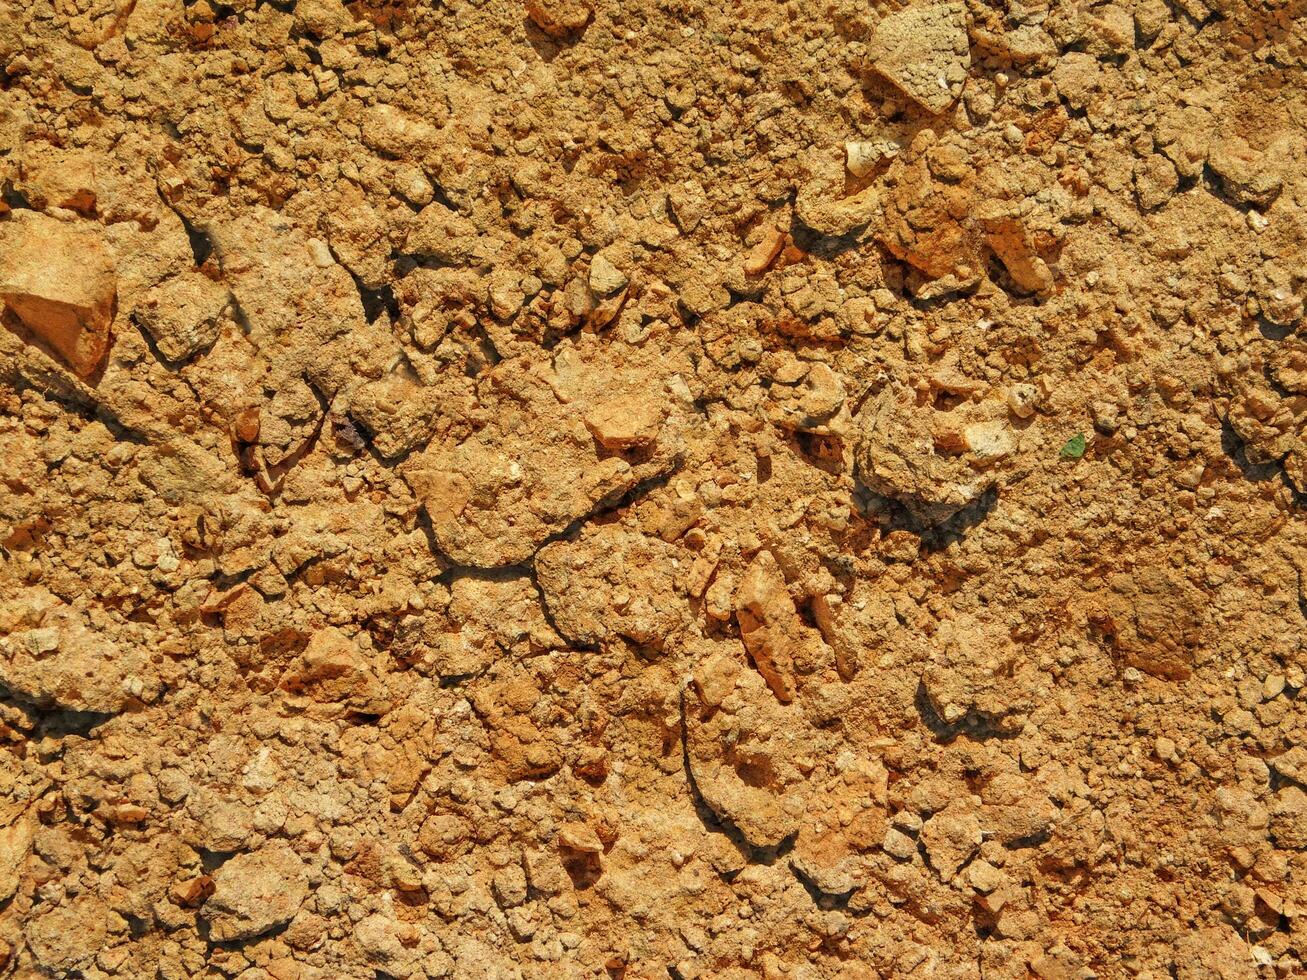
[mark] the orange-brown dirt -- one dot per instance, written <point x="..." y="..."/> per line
<point x="803" y="490"/>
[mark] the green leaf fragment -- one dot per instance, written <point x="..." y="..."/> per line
<point x="1075" y="447"/>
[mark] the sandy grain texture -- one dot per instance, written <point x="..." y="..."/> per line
<point x="794" y="491"/>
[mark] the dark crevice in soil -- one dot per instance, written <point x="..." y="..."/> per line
<point x="974" y="724"/>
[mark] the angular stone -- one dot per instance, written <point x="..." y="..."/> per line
<point x="605" y="278"/>
<point x="399" y="414"/>
<point x="1289" y="819"/>
<point x="770" y="625"/>
<point x="611" y="582"/>
<point x="755" y="812"/>
<point x="58" y="278"/>
<point x="192" y="892"/>
<point x="495" y="498"/>
<point x="762" y="255"/>
<point x="990" y="440"/>
<point x="898" y="845"/>
<point x="1292" y="765"/>
<point x="1247" y="176"/>
<point x="1155" y="619"/>
<point x="625" y="422"/>
<point x="934" y="462"/>
<point x="387" y="944"/>
<point x="293" y="298"/>
<point x="1217" y="951"/>
<point x="59" y="179"/>
<point x="951" y="837"/>
<point x="394" y="133"/>
<point x="579" y="837"/>
<point x="978" y="676"/>
<point x="714" y="679"/>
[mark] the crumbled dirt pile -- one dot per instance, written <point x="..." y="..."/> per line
<point x="811" y="490"/>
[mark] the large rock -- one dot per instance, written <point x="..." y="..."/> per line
<point x="1292" y="765"/>
<point x="978" y="678"/>
<point x="182" y="314"/>
<point x="821" y="201"/>
<point x="1289" y="819"/>
<point x="62" y="664"/>
<point x="15" y="846"/>
<point x="559" y="18"/>
<point x="923" y="50"/>
<point x="754" y="811"/>
<point x="380" y="939"/>
<point x="612" y="582"/>
<point x="398" y="413"/>
<point x="1154" y="619"/>
<point x="933" y="462"/>
<point x="256" y="892"/>
<point x="335" y="672"/>
<point x="951" y="837"/>
<point x="1247" y="177"/>
<point x="294" y="299"/>
<point x="64" y="940"/>
<point x="58" y="278"/>
<point x="55" y="178"/>
<point x="1214" y="953"/>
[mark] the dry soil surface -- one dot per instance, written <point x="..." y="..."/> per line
<point x="804" y="490"/>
